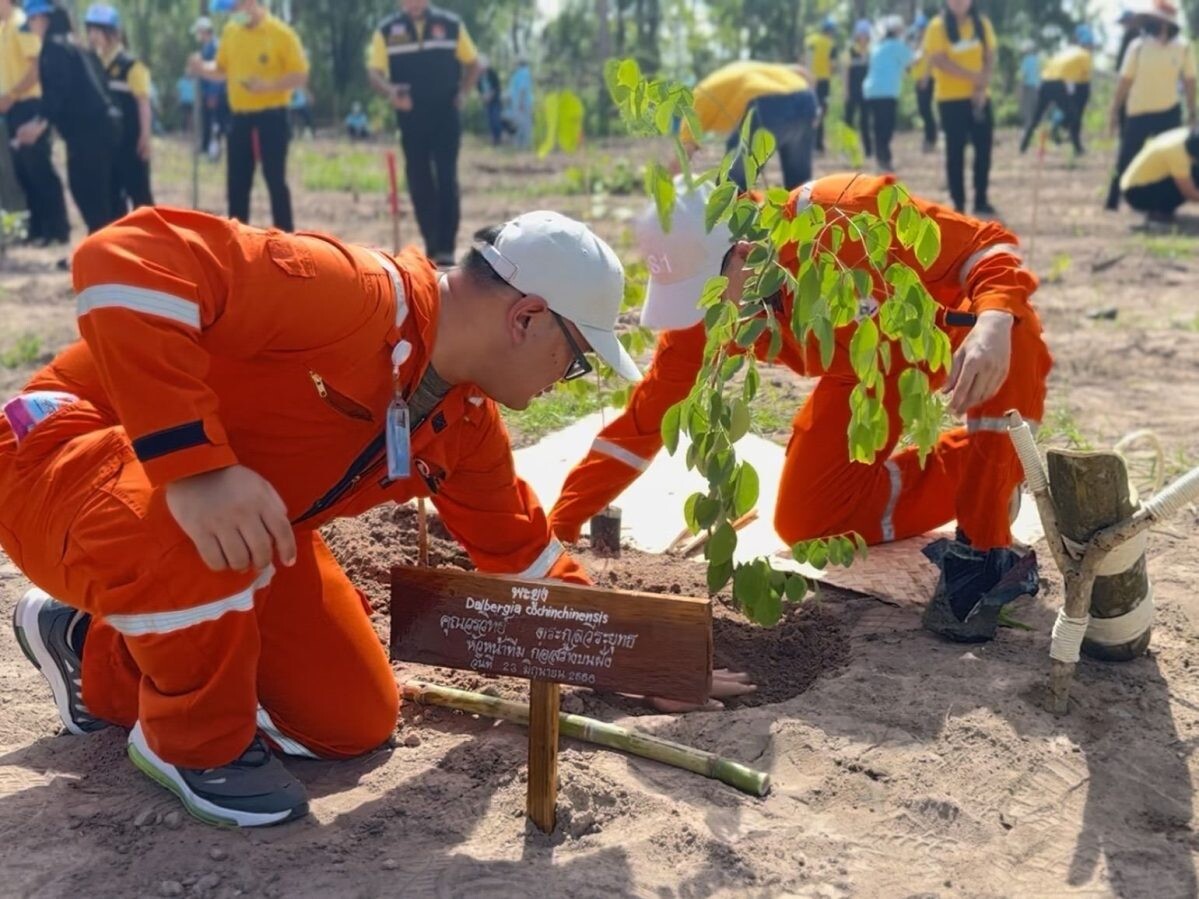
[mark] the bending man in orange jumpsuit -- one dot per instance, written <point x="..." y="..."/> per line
<point x="999" y="363"/>
<point x="236" y="389"/>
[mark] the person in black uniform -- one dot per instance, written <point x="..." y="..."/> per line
<point x="856" y="106"/>
<point x="423" y="60"/>
<point x="129" y="88"/>
<point x="75" y="102"/>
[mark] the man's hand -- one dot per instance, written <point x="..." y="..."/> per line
<point x="29" y="133"/>
<point x="725" y="685"/>
<point x="981" y="363"/>
<point x="401" y="97"/>
<point x="256" y="85"/>
<point x="234" y="517"/>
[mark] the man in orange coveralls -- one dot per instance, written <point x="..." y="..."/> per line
<point x="236" y="389"/>
<point x="1000" y="362"/>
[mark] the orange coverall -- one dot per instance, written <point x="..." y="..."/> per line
<point x="208" y="343"/>
<point x="971" y="473"/>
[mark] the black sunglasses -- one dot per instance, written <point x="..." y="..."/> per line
<point x="579" y="364"/>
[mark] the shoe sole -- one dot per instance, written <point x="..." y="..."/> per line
<point x="167" y="775"/>
<point x="29" y="636"/>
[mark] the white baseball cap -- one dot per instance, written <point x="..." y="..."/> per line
<point x="578" y="275"/>
<point x="680" y="261"/>
<point x="202" y="24"/>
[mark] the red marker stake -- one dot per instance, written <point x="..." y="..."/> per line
<point x="394" y="199"/>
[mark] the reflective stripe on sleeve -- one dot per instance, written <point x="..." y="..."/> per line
<point x="972" y="261"/>
<point x="608" y="448"/>
<point x="169" y="622"/>
<point x="138" y="299"/>
<point x="543" y="563"/>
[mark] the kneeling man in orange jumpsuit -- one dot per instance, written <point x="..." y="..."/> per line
<point x="164" y="480"/>
<point x="1000" y="362"/>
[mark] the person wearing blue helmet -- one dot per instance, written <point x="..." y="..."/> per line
<point x="1066" y="84"/>
<point x="857" y="65"/>
<point x="819" y="50"/>
<point x="75" y="102"/>
<point x="20" y="103"/>
<point x="128" y="82"/>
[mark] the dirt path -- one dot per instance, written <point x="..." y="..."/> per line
<point x="903" y="765"/>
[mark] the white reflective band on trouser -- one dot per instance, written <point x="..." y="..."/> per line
<point x="608" y="448"/>
<point x="168" y="622"/>
<point x="543" y="563"/>
<point x="887" y="525"/>
<point x="397" y="285"/>
<point x="285" y="743"/>
<point x="138" y="299"/>
<point x="999" y="425"/>
<point x="972" y="261"/>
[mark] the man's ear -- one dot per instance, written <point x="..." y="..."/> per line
<point x="521" y="314"/>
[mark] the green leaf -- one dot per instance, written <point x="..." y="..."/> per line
<point x="719" y="204"/>
<point x="750" y="331"/>
<point x="670" y="428"/>
<point x="664" y="116"/>
<point x="836" y="237"/>
<point x="745" y="490"/>
<point x="628" y="73"/>
<point x="689" y="508"/>
<point x="570" y="121"/>
<point x="730" y="366"/>
<point x="660" y="186"/>
<point x="706" y="511"/>
<point x="722" y="543"/>
<point x="888" y="200"/>
<point x="796" y="587"/>
<point x="718" y="576"/>
<point x="770" y="280"/>
<point x="762" y="147"/>
<point x="550" y="111"/>
<point x="799" y="552"/>
<point x="907" y="227"/>
<point x="817" y="553"/>
<point x="863" y="348"/>
<point x="750" y="389"/>
<point x="928" y="243"/>
<point x="738" y="419"/>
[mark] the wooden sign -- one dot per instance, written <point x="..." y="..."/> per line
<point x="613" y="640"/>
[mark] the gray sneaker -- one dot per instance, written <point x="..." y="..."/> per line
<point x="254" y="790"/>
<point x="51" y="634"/>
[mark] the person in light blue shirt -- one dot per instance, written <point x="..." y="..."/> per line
<point x="1030" y="81"/>
<point x="889" y="60"/>
<point x="520" y="103"/>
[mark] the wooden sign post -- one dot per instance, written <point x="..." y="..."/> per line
<point x="552" y="633"/>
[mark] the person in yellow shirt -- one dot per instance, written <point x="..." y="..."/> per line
<point x="1154" y="66"/>
<point x="1164" y="175"/>
<point x="1066" y="84"/>
<point x="781" y="102"/>
<point x="820" y="48"/>
<point x="128" y="82"/>
<point x="922" y="75"/>
<point x="20" y="103"/>
<point x="960" y="45"/>
<point x="422" y="59"/>
<point x="261" y="60"/>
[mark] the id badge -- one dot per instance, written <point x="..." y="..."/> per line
<point x="399" y="440"/>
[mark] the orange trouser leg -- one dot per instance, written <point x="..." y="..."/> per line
<point x="324" y="679"/>
<point x="173" y="644"/>
<point x="970" y="473"/>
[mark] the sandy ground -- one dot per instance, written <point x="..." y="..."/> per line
<point x="902" y="765"/>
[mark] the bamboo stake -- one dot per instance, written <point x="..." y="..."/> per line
<point x="601" y="733"/>
<point x="422" y="534"/>
<point x="696" y="543"/>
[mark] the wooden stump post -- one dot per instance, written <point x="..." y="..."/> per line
<point x="605" y="531"/>
<point x="1091" y="492"/>
<point x="542" y="800"/>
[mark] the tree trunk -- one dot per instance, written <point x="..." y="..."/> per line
<point x="1091" y="492"/>
<point x="604" y="45"/>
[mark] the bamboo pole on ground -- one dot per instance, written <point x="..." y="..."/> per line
<point x="601" y="733"/>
